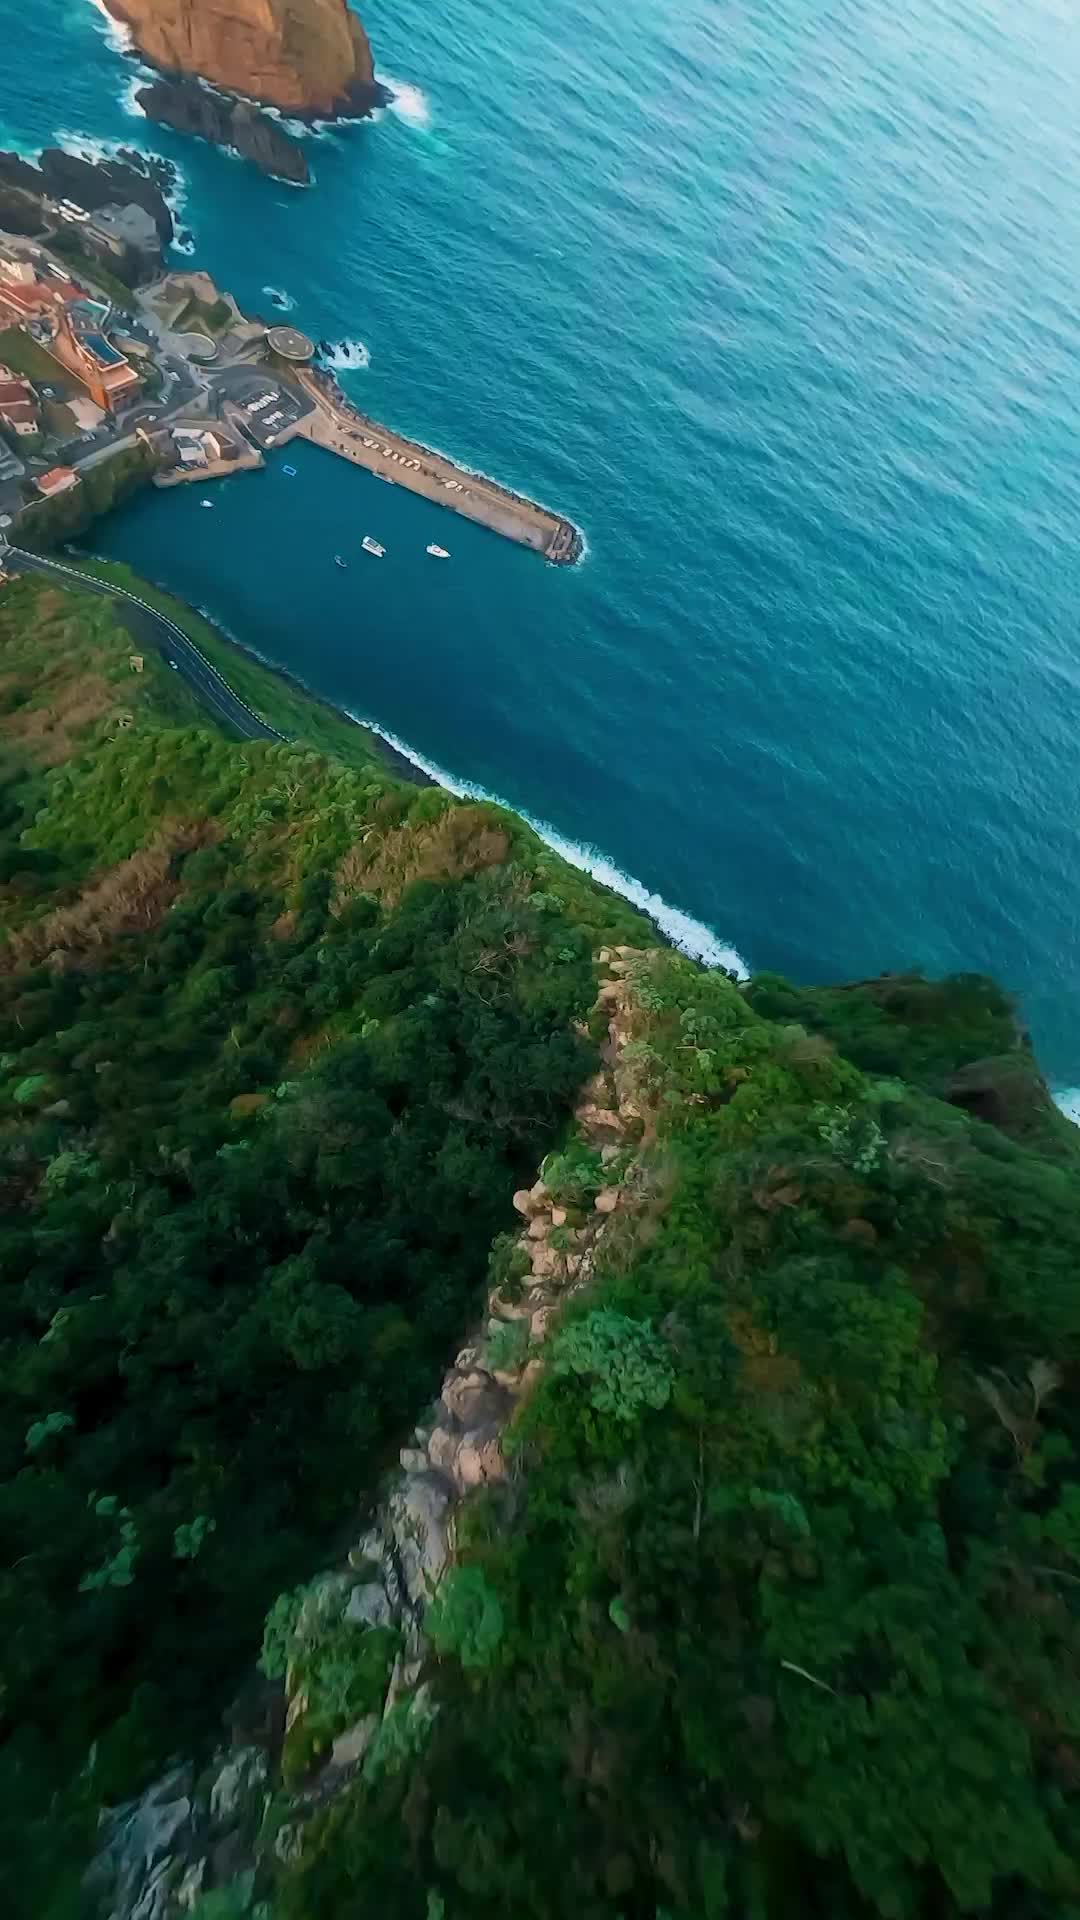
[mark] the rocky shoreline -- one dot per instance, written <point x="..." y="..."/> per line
<point x="129" y="178"/>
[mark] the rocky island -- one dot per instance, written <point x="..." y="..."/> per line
<point x="307" y="57"/>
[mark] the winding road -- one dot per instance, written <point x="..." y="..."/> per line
<point x="193" y="667"/>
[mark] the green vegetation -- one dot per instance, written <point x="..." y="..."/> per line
<point x="777" y="1611"/>
<point x="780" y="1614"/>
<point x="88" y="268"/>
<point x="279" y="1036"/>
<point x="23" y="355"/>
<point x="277" y="700"/>
<point x="48" y="523"/>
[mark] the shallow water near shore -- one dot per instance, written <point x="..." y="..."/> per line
<point x="780" y="305"/>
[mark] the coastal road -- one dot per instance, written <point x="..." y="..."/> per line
<point x="193" y="667"/>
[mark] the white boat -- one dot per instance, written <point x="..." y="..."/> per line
<point x="372" y="546"/>
<point x="438" y="553"/>
<point x="386" y="477"/>
<point x="206" y="503"/>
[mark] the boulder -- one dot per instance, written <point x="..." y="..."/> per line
<point x="289" y="1842"/>
<point x="479" y="1462"/>
<point x="241" y="1781"/>
<point x="473" y="1399"/>
<point x="607" y="1199"/>
<point x="546" y="1262"/>
<point x="417" y="1511"/>
<point x="351" y="1746"/>
<point x="600" y="1120"/>
<point x="368" y="1605"/>
<point x="539" y="1226"/>
<point x="191" y="1885"/>
<point x="412" y="1459"/>
<point x="558" y="1216"/>
<point x="522" y="1200"/>
<point x="442" y="1450"/>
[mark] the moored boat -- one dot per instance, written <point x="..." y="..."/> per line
<point x="438" y="553"/>
<point x="372" y="546"/>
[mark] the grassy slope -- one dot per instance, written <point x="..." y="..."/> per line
<point x="24" y="356"/>
<point x="189" y="927"/>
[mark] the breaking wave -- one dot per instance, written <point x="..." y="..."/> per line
<point x="410" y="103"/>
<point x="691" y="936"/>
<point x="345" y="356"/>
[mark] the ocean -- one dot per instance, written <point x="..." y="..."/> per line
<point x="778" y="299"/>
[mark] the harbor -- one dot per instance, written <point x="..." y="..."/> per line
<point x="340" y="428"/>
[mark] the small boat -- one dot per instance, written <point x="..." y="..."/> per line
<point x="339" y="562"/>
<point x="291" y="471"/>
<point x="206" y="503"/>
<point x="438" y="553"/>
<point x="386" y="477"/>
<point x="372" y="546"/>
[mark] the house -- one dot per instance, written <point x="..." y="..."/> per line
<point x="57" y="480"/>
<point x="18" y="405"/>
<point x="24" y="296"/>
<point x="126" y="238"/>
<point x="80" y="345"/>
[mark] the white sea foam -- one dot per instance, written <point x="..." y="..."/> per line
<point x="283" y="301"/>
<point x="346" y="356"/>
<point x="130" y="97"/>
<point x="119" y="37"/>
<point x="410" y="103"/>
<point x="689" y="935"/>
<point x="1068" y="1099"/>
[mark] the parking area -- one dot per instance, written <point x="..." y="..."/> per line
<point x="268" y="407"/>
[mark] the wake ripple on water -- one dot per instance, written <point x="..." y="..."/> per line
<point x="691" y="936"/>
<point x="283" y="301"/>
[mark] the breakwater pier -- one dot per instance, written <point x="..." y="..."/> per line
<point x="335" y="424"/>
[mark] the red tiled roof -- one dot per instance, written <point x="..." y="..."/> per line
<point x="56" y="477"/>
<point x="14" y="411"/>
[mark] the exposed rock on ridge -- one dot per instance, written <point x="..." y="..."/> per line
<point x="183" y="1837"/>
<point x="305" y="56"/>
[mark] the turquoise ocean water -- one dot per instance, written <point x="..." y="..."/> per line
<point x="780" y="300"/>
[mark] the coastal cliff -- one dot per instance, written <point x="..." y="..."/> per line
<point x="305" y="56"/>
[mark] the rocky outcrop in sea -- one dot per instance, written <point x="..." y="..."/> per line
<point x="190" y="107"/>
<point x="308" y="57"/>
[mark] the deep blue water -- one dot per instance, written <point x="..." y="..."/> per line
<point x="779" y="300"/>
